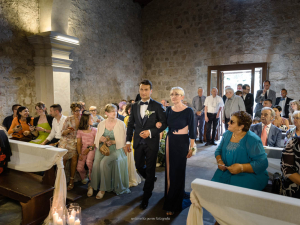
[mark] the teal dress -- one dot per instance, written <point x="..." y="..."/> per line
<point x="110" y="173"/>
<point x="248" y="150"/>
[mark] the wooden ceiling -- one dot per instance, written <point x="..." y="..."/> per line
<point x="143" y="3"/>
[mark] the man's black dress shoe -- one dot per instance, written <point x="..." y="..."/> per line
<point x="201" y="141"/>
<point x="214" y="143"/>
<point x="144" y="205"/>
<point x="207" y="144"/>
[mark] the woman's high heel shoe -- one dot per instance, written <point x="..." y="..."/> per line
<point x="169" y="213"/>
<point x="100" y="195"/>
<point x="71" y="186"/>
<point x="90" y="191"/>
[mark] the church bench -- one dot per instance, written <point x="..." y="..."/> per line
<point x="32" y="193"/>
<point x="31" y="190"/>
<point x="235" y="205"/>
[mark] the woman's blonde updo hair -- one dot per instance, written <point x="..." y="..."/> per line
<point x="110" y="107"/>
<point x="75" y="105"/>
<point x="178" y="90"/>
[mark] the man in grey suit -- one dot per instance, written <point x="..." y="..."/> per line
<point x="264" y="94"/>
<point x="270" y="135"/>
<point x="233" y="103"/>
<point x="198" y="107"/>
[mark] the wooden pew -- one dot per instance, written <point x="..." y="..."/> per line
<point x="235" y="205"/>
<point x="31" y="191"/>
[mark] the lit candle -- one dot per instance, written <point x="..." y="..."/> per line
<point x="73" y="213"/>
<point x="71" y="220"/>
<point x="77" y="222"/>
<point x="59" y="221"/>
<point x="55" y="217"/>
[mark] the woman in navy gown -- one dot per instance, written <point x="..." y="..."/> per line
<point x="180" y="120"/>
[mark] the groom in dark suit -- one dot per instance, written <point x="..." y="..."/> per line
<point x="142" y="121"/>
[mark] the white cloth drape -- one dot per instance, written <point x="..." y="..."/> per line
<point x="232" y="205"/>
<point x="195" y="215"/>
<point x="134" y="177"/>
<point x="30" y="157"/>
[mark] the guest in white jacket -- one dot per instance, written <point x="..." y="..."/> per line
<point x="110" y="173"/>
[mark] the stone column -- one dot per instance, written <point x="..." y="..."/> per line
<point x="52" y="67"/>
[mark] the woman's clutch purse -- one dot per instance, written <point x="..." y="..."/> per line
<point x="104" y="149"/>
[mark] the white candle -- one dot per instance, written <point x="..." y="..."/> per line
<point x="59" y="221"/>
<point x="55" y="217"/>
<point x="77" y="222"/>
<point x="71" y="220"/>
<point x="73" y="213"/>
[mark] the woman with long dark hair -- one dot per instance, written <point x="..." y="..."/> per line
<point x="22" y="126"/>
<point x="85" y="146"/>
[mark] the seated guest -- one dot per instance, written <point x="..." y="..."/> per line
<point x="295" y="131"/>
<point x="42" y="123"/>
<point x="294" y="106"/>
<point x="233" y="103"/>
<point x="266" y="103"/>
<point x="5" y="151"/>
<point x="131" y="101"/>
<point x="22" y="126"/>
<point x="68" y="140"/>
<point x="284" y="103"/>
<point x="256" y="120"/>
<point x="85" y="146"/>
<point x="96" y="118"/>
<point x="270" y="135"/>
<point x="279" y="121"/>
<point x="241" y="158"/>
<point x="290" y="167"/>
<point x="122" y="106"/>
<point x="57" y="124"/>
<point x="110" y="173"/>
<point x="120" y="117"/>
<point x="8" y="120"/>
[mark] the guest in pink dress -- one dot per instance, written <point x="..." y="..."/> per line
<point x="85" y="145"/>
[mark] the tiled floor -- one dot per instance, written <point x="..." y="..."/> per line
<point x="124" y="209"/>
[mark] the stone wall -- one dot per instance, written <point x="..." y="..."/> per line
<point x="107" y="65"/>
<point x="18" y="19"/>
<point x="182" y="38"/>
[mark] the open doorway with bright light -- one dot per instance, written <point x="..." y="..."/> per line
<point x="231" y="75"/>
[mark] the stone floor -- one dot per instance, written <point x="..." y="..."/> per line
<point x="124" y="209"/>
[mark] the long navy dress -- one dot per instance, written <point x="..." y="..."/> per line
<point x="177" y="148"/>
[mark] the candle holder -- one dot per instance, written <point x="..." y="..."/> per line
<point x="74" y="214"/>
<point x="58" y="214"/>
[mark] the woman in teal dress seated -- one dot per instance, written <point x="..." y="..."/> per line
<point x="241" y="158"/>
<point x="110" y="173"/>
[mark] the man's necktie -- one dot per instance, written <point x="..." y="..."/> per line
<point x="266" y="95"/>
<point x="264" y="136"/>
<point x="200" y="104"/>
<point x="144" y="103"/>
<point x="282" y="99"/>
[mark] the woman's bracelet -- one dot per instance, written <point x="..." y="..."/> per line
<point x="242" y="168"/>
<point x="219" y="160"/>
